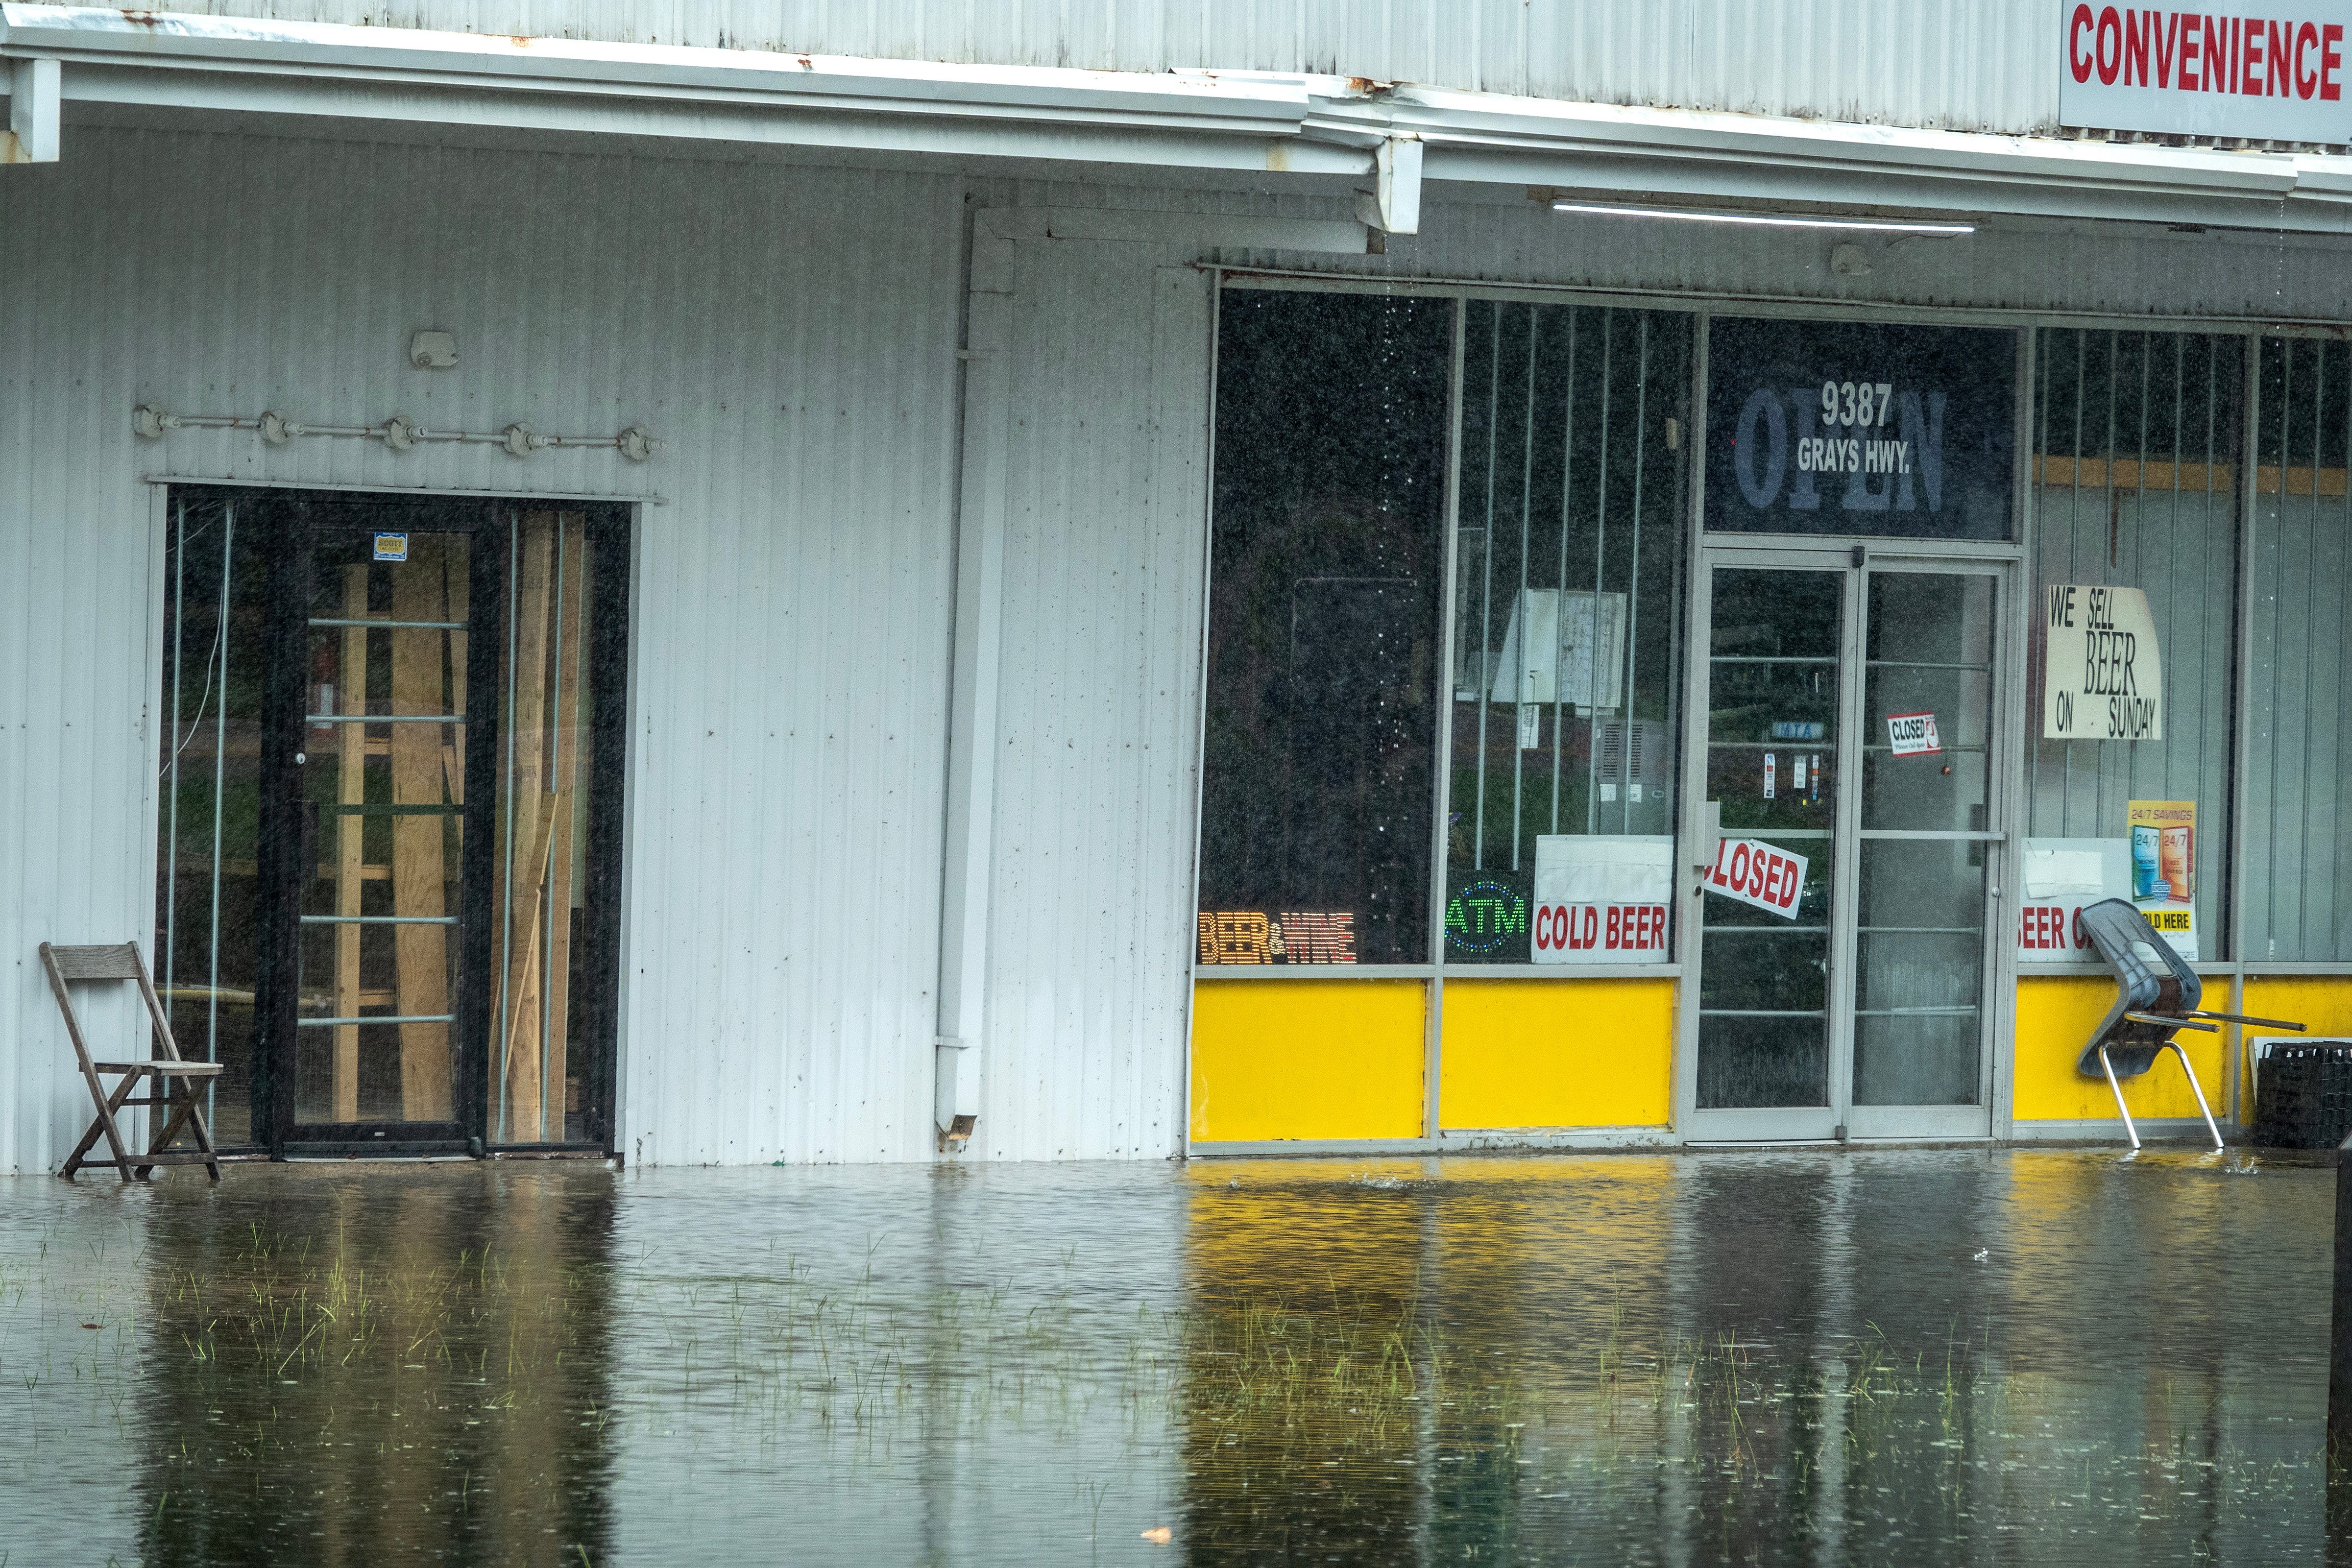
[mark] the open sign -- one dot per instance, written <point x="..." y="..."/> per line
<point x="1911" y="734"/>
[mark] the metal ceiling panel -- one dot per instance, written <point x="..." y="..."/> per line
<point x="1989" y="66"/>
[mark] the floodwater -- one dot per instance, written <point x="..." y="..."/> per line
<point x="1923" y="1357"/>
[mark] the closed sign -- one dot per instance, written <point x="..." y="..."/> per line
<point x="1760" y="873"/>
<point x="1911" y="734"/>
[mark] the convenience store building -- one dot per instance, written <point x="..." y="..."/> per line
<point x="732" y="598"/>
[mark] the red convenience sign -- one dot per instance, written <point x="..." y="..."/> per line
<point x="2198" y="73"/>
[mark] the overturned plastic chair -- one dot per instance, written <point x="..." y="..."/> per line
<point x="2157" y="996"/>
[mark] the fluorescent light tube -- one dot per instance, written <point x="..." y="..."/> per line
<point x="1766" y="220"/>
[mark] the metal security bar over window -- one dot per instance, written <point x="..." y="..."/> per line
<point x="2135" y="484"/>
<point x="1567" y="613"/>
<point x="2298" y="871"/>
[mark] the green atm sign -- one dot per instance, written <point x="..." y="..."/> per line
<point x="1482" y="917"/>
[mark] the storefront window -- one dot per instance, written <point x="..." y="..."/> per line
<point x="1845" y="427"/>
<point x="2298" y="873"/>
<point x="1327" y="568"/>
<point x="207" y="938"/>
<point x="2136" y="440"/>
<point x="1566" y="625"/>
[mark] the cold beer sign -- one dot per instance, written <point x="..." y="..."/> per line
<point x="1602" y="899"/>
<point x="2102" y="679"/>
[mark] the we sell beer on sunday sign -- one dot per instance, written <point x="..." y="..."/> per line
<point x="2194" y="73"/>
<point x="2102" y="677"/>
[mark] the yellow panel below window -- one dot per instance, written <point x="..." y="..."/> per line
<point x="1308" y="1059"/>
<point x="2055" y="1017"/>
<point x="1557" y="1054"/>
<point x="2323" y="1003"/>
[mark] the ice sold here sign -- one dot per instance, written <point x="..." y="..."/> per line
<point x="2102" y="677"/>
<point x="2193" y="73"/>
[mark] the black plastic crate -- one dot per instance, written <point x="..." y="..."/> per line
<point x="2303" y="1095"/>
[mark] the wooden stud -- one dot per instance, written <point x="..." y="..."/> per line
<point x="419" y="870"/>
<point x="527" y="997"/>
<point x="571" y="666"/>
<point x="458" y="552"/>
<point x="523" y="752"/>
<point x="352" y="791"/>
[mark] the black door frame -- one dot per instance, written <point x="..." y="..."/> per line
<point x="295" y="521"/>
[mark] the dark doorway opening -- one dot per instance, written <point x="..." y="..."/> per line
<point x="389" y="840"/>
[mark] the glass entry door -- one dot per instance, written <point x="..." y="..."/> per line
<point x="1843" y="961"/>
<point x="382" y="762"/>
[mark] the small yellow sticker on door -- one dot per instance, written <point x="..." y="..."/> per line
<point x="392" y="546"/>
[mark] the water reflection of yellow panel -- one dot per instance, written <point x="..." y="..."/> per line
<point x="1308" y="1059"/>
<point x="1306" y="1380"/>
<point x="1557" y="1054"/>
<point x="1300" y="1228"/>
<point x="2055" y="1017"/>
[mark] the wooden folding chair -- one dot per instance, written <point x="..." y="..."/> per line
<point x="181" y="1083"/>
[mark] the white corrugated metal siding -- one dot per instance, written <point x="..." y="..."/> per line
<point x="1091" y="947"/>
<point x="788" y="332"/>
<point x="1988" y="65"/>
<point x="76" y="657"/>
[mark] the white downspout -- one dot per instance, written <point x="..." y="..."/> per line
<point x="968" y="843"/>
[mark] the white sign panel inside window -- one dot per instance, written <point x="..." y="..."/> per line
<point x="2192" y="73"/>
<point x="1560" y="631"/>
<point x="1601" y="900"/>
<point x="2103" y="675"/>
<point x="2063" y="878"/>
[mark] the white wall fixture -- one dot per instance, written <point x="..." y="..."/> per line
<point x="1393" y="205"/>
<point x="433" y="351"/>
<point x="399" y="433"/>
<point x="36" y="89"/>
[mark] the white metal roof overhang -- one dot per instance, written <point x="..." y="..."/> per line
<point x="1206" y="120"/>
